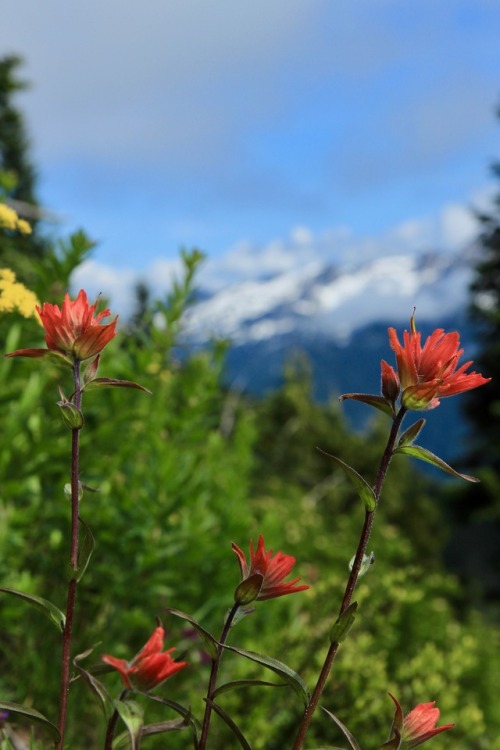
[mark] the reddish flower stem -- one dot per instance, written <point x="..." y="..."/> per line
<point x="352" y="580"/>
<point x="110" y="732"/>
<point x="72" y="585"/>
<point x="212" y="684"/>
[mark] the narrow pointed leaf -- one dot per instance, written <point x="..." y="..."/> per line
<point x="232" y="726"/>
<point x="362" y="487"/>
<point x="49" y="610"/>
<point x="246" y="683"/>
<point x="411" y="433"/>
<point x="87" y="546"/>
<point x="416" y="451"/>
<point x="378" y="402"/>
<point x="132" y="716"/>
<point x="187" y="716"/>
<point x="286" y="674"/>
<point x="114" y="383"/>
<point x="210" y="643"/>
<point x="94" y="684"/>
<point x="347" y="734"/>
<point x="343" y="624"/>
<point x="32" y="715"/>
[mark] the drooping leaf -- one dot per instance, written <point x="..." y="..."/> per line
<point x="286" y="674"/>
<point x="343" y="624"/>
<point x="210" y="643"/>
<point x="378" y="402"/>
<point x="132" y="715"/>
<point x="411" y="433"/>
<point x="347" y="734"/>
<point x="416" y="451"/>
<point x="32" y="715"/>
<point x="49" y="610"/>
<point x="94" y="684"/>
<point x="187" y="716"/>
<point x="113" y="383"/>
<point x="246" y="683"/>
<point x="231" y="724"/>
<point x="362" y="487"/>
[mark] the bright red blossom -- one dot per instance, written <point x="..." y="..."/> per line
<point x="420" y="725"/>
<point x="271" y="568"/>
<point x="72" y="330"/>
<point x="429" y="372"/>
<point x="150" y="667"/>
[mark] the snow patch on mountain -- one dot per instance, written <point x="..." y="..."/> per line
<point x="334" y="301"/>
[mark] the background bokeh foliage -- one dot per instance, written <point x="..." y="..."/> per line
<point x="180" y="475"/>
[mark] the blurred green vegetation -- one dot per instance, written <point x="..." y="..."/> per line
<point x="180" y="475"/>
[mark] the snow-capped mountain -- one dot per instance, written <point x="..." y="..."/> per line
<point x="338" y="317"/>
<point x="335" y="301"/>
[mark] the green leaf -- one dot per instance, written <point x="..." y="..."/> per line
<point x="86" y="548"/>
<point x="378" y="402"/>
<point x="343" y="624"/>
<point x="366" y="563"/>
<point x="230" y="723"/>
<point x="246" y="683"/>
<point x="210" y="643"/>
<point x="362" y="487"/>
<point x="132" y="715"/>
<point x="113" y="383"/>
<point x="95" y="685"/>
<point x="347" y="734"/>
<point x="187" y="716"/>
<point x="411" y="433"/>
<point x="32" y="715"/>
<point x="49" y="610"/>
<point x="416" y="451"/>
<point x="287" y="674"/>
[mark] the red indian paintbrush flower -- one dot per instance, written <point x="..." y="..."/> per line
<point x="264" y="578"/>
<point x="72" y="331"/>
<point x="151" y="665"/>
<point x="415" y="728"/>
<point x="429" y="372"/>
<point x="420" y="725"/>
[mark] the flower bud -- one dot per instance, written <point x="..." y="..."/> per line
<point x="249" y="589"/>
<point x="71" y="414"/>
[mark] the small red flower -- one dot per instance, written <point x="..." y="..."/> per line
<point x="429" y="372"/>
<point x="72" y="331"/>
<point x="420" y="725"/>
<point x="151" y="665"/>
<point x="267" y="572"/>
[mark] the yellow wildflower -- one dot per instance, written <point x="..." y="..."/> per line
<point x="15" y="296"/>
<point x="10" y="220"/>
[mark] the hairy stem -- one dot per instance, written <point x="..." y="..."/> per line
<point x="72" y="585"/>
<point x="352" y="580"/>
<point x="212" y="684"/>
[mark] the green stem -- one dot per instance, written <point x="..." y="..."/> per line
<point x="352" y="580"/>
<point x="72" y="585"/>
<point x="212" y="684"/>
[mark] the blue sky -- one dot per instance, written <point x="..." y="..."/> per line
<point x="265" y="133"/>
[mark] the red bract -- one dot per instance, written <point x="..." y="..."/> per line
<point x="420" y="725"/>
<point x="429" y="372"/>
<point x="73" y="330"/>
<point x="151" y="665"/>
<point x="266" y="573"/>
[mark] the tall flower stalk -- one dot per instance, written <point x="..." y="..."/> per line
<point x="425" y="373"/>
<point x="352" y="580"/>
<point x="73" y="583"/>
